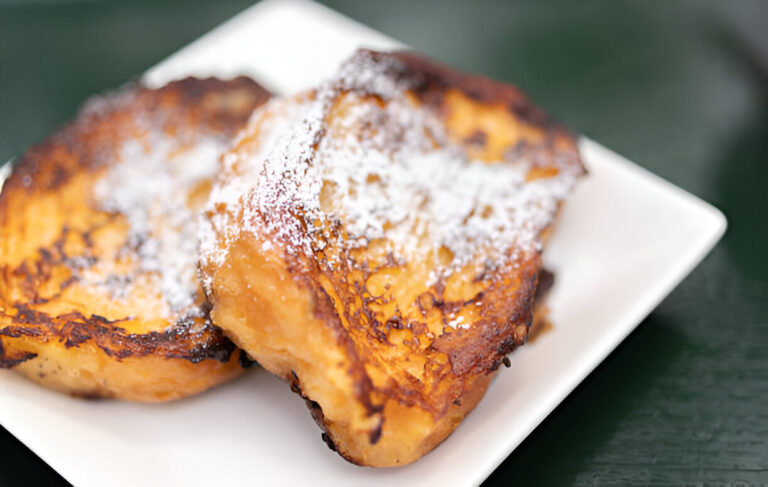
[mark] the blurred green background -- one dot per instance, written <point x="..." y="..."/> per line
<point x="680" y="87"/>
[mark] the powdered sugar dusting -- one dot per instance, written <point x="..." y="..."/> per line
<point x="385" y="171"/>
<point x="151" y="184"/>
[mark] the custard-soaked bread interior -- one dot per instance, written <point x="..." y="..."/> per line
<point x="99" y="295"/>
<point x="376" y="243"/>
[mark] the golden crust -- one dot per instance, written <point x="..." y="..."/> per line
<point x="360" y="334"/>
<point x="120" y="338"/>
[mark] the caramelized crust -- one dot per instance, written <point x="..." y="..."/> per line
<point x="98" y="297"/>
<point x="389" y="323"/>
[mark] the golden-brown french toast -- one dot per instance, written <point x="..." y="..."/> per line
<point x="99" y="295"/>
<point x="376" y="243"/>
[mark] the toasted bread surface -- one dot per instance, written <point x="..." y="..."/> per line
<point x="376" y="243"/>
<point x="99" y="295"/>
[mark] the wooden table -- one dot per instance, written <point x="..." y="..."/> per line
<point x="679" y="87"/>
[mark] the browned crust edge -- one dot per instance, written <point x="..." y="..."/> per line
<point x="431" y="80"/>
<point x="74" y="329"/>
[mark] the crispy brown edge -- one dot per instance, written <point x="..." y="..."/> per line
<point x="32" y="176"/>
<point x="74" y="329"/>
<point x="430" y="80"/>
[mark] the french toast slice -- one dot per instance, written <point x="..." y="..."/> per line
<point x="376" y="243"/>
<point x="99" y="295"/>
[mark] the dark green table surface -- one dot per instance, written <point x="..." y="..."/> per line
<point x="679" y="87"/>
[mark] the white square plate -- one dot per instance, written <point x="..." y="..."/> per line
<point x="625" y="240"/>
